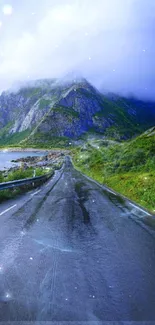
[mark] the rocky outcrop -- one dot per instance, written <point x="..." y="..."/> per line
<point x="53" y="158"/>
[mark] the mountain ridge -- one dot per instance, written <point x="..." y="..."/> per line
<point x="71" y="109"/>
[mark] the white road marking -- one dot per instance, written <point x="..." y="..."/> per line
<point x="35" y="193"/>
<point x="111" y="192"/>
<point x="8" y="209"/>
<point x="140" y="209"/>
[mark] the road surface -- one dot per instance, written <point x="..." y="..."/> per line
<point x="72" y="251"/>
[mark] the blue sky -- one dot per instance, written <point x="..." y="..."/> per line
<point x="111" y="43"/>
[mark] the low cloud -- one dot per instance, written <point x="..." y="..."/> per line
<point x="108" y="42"/>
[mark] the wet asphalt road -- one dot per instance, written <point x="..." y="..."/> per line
<point x="72" y="252"/>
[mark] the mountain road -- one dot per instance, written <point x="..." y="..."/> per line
<point x="72" y="250"/>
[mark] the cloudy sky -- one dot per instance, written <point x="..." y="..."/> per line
<point x="109" y="42"/>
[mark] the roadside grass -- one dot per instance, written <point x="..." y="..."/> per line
<point x="9" y="194"/>
<point x="128" y="168"/>
<point x="21" y="174"/>
<point x="139" y="187"/>
<point x="16" y="175"/>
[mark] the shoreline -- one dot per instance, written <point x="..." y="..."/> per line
<point x="24" y="150"/>
<point x="25" y="153"/>
<point x="32" y="150"/>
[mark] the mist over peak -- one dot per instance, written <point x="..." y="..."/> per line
<point x="110" y="43"/>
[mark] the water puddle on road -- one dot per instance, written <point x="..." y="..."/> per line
<point x="82" y="198"/>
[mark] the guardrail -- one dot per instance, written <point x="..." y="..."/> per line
<point x="25" y="181"/>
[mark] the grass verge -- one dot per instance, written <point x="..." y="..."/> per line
<point x="128" y="168"/>
<point x="16" y="175"/>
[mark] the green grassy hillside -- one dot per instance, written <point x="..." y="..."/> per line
<point x="127" y="167"/>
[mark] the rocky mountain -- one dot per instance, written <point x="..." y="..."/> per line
<point x="45" y="109"/>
